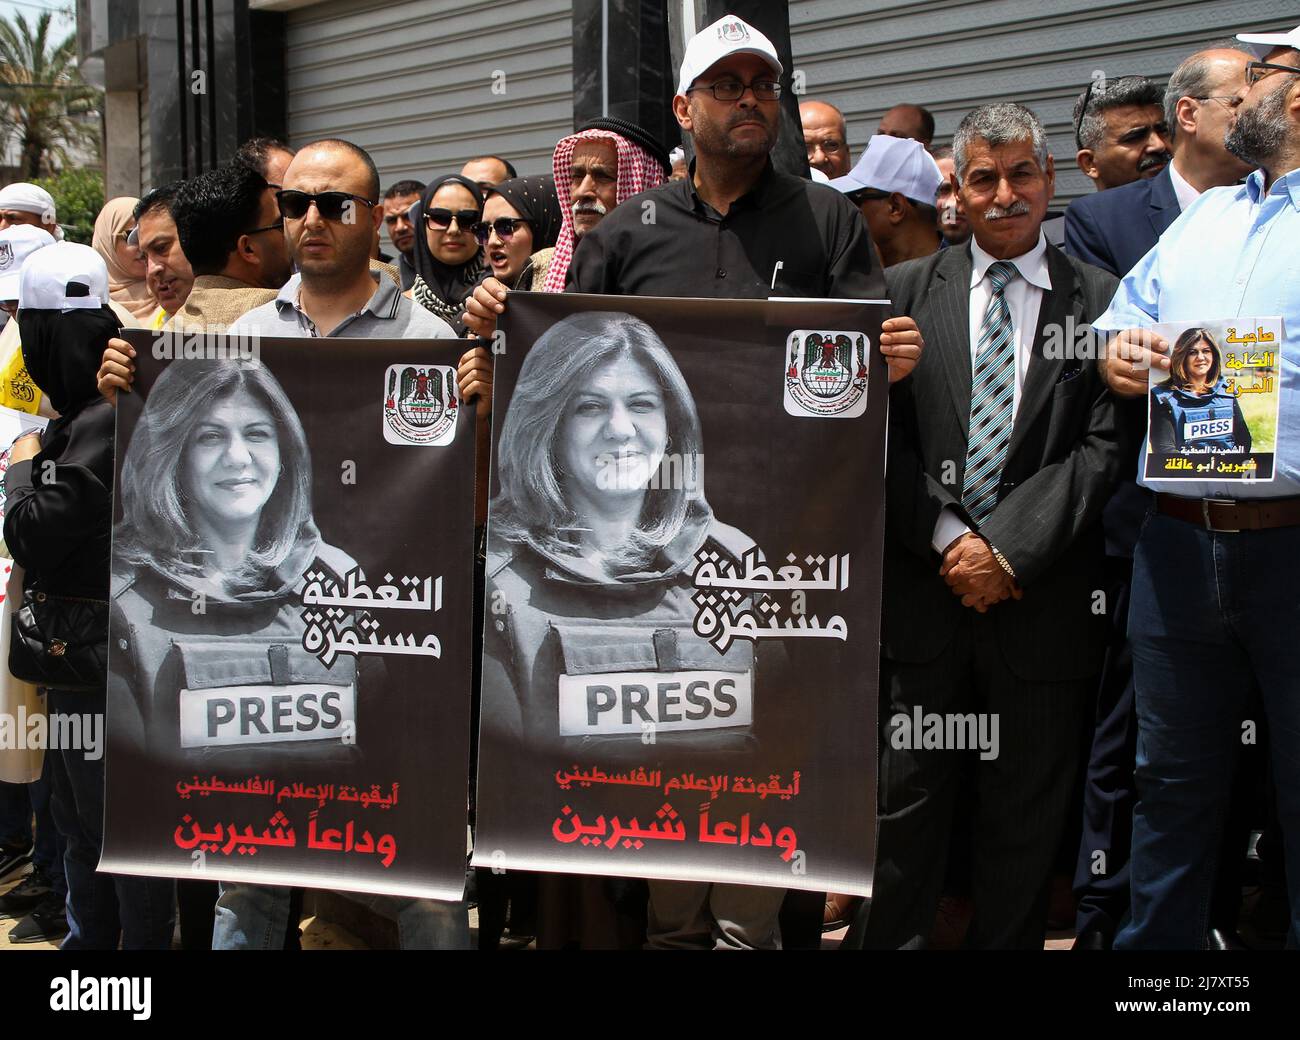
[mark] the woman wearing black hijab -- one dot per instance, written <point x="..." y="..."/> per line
<point x="57" y="528"/>
<point x="521" y="224"/>
<point x="448" y="261"/>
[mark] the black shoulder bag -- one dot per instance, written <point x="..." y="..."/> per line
<point x="60" y="641"/>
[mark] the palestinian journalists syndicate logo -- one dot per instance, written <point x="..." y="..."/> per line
<point x="420" y="404"/>
<point x="6" y="255"/>
<point x="733" y="32"/>
<point x="826" y="374"/>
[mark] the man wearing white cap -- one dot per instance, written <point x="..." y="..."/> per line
<point x="17" y="243"/>
<point x="740" y="228"/>
<point x="23" y="203"/>
<point x="1217" y="565"/>
<point x="894" y="185"/>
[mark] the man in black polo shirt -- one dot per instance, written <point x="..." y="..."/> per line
<point x="735" y="228"/>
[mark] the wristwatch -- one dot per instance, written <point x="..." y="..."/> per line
<point x="1002" y="560"/>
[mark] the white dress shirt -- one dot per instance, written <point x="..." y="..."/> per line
<point x="1183" y="192"/>
<point x="1024" y="295"/>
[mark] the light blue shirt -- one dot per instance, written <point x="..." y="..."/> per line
<point x="1234" y="253"/>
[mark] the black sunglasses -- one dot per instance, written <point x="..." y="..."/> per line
<point x="277" y="226"/>
<point x="442" y="218"/>
<point x="505" y="227"/>
<point x="331" y="205"/>
<point x="1083" y="111"/>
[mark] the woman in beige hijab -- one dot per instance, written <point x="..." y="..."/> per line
<point x="126" y="285"/>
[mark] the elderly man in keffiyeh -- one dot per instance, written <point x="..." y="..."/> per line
<point x="600" y="167"/>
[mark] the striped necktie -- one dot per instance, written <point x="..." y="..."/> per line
<point x="993" y="386"/>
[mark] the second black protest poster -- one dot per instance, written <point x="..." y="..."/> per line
<point x="683" y="591"/>
<point x="290" y="637"/>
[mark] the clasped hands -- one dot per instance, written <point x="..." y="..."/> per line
<point x="973" y="573"/>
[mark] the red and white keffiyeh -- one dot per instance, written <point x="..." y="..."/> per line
<point x="638" y="171"/>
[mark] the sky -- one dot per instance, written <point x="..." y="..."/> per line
<point x="31" y="10"/>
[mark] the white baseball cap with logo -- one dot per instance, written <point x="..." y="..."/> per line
<point x="727" y="36"/>
<point x="17" y="243"/>
<point x="1262" y="43"/>
<point x="66" y="276"/>
<point x="30" y="198"/>
<point x="894" y="164"/>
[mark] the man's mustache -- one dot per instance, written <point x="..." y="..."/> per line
<point x="589" y="206"/>
<point x="1148" y="161"/>
<point x="1019" y="208"/>
<point x="752" y="115"/>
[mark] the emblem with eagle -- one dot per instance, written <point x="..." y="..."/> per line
<point x="420" y="404"/>
<point x="827" y="373"/>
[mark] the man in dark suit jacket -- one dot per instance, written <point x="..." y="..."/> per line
<point x="993" y="547"/>
<point x="1114" y="229"/>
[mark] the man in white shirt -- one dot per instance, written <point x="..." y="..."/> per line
<point x="1114" y="229"/>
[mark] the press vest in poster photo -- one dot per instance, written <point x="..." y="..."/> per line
<point x="1213" y="415"/>
<point x="290" y="632"/>
<point x="683" y="590"/>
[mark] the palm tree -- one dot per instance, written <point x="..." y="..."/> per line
<point x="43" y="101"/>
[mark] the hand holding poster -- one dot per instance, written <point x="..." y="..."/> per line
<point x="1214" y="414"/>
<point x="680" y="661"/>
<point x="290" y="628"/>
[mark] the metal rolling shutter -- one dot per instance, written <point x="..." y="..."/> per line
<point x="866" y="55"/>
<point x="412" y="81"/>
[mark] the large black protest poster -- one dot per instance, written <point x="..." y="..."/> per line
<point x="683" y="590"/>
<point x="290" y="632"/>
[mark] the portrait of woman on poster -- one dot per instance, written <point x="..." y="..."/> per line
<point x="216" y="534"/>
<point x="1193" y="411"/>
<point x="592" y="545"/>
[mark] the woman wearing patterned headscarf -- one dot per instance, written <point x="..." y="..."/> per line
<point x="520" y="226"/>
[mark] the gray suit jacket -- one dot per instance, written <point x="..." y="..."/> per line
<point x="1066" y="453"/>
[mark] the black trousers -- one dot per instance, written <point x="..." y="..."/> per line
<point x="1021" y="794"/>
<point x="1101" y="876"/>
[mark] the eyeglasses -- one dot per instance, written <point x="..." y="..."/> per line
<point x="868" y="196"/>
<point x="442" y="218"/>
<point x="734" y="90"/>
<point x="1230" y="100"/>
<point x="278" y="226"/>
<point x="505" y="227"/>
<point x="1257" y="70"/>
<point x="331" y="205"/>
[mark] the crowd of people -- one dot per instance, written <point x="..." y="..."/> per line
<point x="1119" y="632"/>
